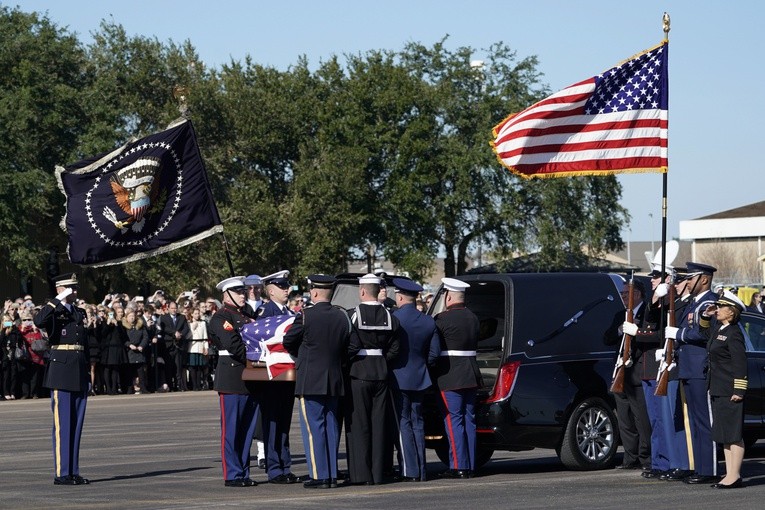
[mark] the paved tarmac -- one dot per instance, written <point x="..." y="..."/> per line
<point x="163" y="451"/>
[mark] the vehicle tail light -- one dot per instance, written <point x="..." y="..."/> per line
<point x="503" y="386"/>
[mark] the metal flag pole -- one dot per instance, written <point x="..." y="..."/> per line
<point x="665" y="24"/>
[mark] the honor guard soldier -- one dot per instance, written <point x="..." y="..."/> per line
<point x="692" y="335"/>
<point x="373" y="344"/>
<point x="254" y="286"/>
<point x="634" y="423"/>
<point x="67" y="375"/>
<point x="419" y="347"/>
<point x="458" y="377"/>
<point x="277" y="398"/>
<point x="319" y="340"/>
<point x="238" y="407"/>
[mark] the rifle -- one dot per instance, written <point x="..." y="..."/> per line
<point x="624" y="360"/>
<point x="668" y="362"/>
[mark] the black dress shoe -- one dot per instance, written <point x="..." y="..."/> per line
<point x="325" y="483"/>
<point x="262" y="463"/>
<point x="631" y="465"/>
<point x="283" y="479"/>
<point x="696" y="479"/>
<point x="409" y="479"/>
<point x="738" y="484"/>
<point x="64" y="480"/>
<point x="78" y="480"/>
<point x="456" y="474"/>
<point x="653" y="473"/>
<point x="675" y="475"/>
<point x="240" y="482"/>
<point x="291" y="478"/>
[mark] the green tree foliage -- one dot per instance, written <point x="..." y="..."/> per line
<point x="377" y="154"/>
<point x="42" y="117"/>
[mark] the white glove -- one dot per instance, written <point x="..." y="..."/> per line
<point x="630" y="328"/>
<point x="659" y="355"/>
<point x="661" y="290"/>
<point x="64" y="293"/>
<point x="670" y="332"/>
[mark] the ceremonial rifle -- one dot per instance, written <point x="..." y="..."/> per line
<point x="624" y="360"/>
<point x="668" y="361"/>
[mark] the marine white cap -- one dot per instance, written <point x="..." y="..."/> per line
<point x="454" y="285"/>
<point x="230" y="283"/>
<point x="369" y="278"/>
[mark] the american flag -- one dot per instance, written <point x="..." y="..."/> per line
<point x="613" y="122"/>
<point x="263" y="339"/>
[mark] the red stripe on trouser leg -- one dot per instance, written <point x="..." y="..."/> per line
<point x="450" y="432"/>
<point x="223" y="436"/>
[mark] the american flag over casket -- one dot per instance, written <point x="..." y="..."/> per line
<point x="263" y="339"/>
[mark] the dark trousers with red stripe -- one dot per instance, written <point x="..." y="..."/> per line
<point x="458" y="407"/>
<point x="237" y="426"/>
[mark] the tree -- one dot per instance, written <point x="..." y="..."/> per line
<point x="40" y="111"/>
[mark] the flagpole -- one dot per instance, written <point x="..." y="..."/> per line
<point x="666" y="28"/>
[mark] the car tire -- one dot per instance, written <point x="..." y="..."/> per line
<point x="591" y="437"/>
<point x="482" y="455"/>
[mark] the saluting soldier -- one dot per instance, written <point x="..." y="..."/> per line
<point x="692" y="335"/>
<point x="419" y="347"/>
<point x="373" y="344"/>
<point x="67" y="375"/>
<point x="458" y="377"/>
<point x="319" y="340"/>
<point x="238" y="405"/>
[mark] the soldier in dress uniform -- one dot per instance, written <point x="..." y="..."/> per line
<point x="692" y="335"/>
<point x="319" y="340"/>
<point x="458" y="378"/>
<point x="238" y="405"/>
<point x="634" y="423"/>
<point x="374" y="343"/>
<point x="67" y="375"/>
<point x="669" y="451"/>
<point x="419" y="347"/>
<point x="277" y="399"/>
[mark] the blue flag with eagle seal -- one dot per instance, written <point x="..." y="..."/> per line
<point x="148" y="197"/>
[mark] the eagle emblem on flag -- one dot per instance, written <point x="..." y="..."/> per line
<point x="135" y="188"/>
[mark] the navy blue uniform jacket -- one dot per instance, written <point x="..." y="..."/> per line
<point x="419" y="347"/>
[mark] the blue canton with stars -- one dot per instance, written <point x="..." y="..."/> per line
<point x="640" y="83"/>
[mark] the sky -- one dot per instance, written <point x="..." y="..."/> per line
<point x="715" y="65"/>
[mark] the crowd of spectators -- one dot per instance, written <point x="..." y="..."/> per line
<point x="130" y="347"/>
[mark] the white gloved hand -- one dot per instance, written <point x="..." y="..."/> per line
<point x="659" y="355"/>
<point x="670" y="332"/>
<point x="630" y="328"/>
<point x="64" y="293"/>
<point x="661" y="290"/>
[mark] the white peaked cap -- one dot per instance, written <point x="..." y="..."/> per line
<point x="230" y="283"/>
<point x="369" y="278"/>
<point x="454" y="285"/>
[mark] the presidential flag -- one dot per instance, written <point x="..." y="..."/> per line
<point x="148" y="197"/>
<point x="611" y="123"/>
<point x="263" y="339"/>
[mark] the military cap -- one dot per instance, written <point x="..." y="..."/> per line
<point x="369" y="278"/>
<point x="730" y="299"/>
<point x="407" y="286"/>
<point x="454" y="285"/>
<point x="279" y="278"/>
<point x="695" y="268"/>
<point x="253" y="279"/>
<point x="680" y="274"/>
<point x="656" y="271"/>
<point x="321" y="281"/>
<point x="66" y="280"/>
<point x="234" y="283"/>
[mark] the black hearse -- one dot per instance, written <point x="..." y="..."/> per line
<point x="546" y="370"/>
